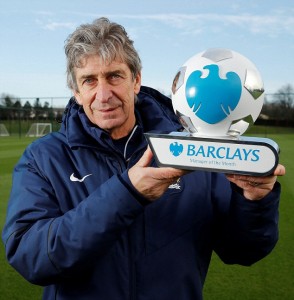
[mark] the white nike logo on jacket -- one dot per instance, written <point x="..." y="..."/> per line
<point x="73" y="178"/>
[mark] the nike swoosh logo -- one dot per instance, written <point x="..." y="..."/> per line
<point x="74" y="178"/>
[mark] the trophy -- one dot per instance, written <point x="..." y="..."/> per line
<point x="217" y="95"/>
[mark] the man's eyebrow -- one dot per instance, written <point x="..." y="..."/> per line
<point x="86" y="76"/>
<point x="112" y="72"/>
<point x="104" y="74"/>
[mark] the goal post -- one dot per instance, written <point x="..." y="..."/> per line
<point x="3" y="130"/>
<point x="39" y="129"/>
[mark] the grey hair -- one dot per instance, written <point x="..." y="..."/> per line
<point x="106" y="39"/>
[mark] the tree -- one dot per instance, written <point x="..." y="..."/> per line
<point x="17" y="109"/>
<point x="37" y="108"/>
<point x="46" y="110"/>
<point x="285" y="100"/>
<point x="27" y="110"/>
<point x="7" y="102"/>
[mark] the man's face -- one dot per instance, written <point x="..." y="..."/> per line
<point x="107" y="94"/>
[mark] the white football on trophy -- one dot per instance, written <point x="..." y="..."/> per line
<point x="218" y="92"/>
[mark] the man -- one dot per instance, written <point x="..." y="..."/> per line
<point x="92" y="217"/>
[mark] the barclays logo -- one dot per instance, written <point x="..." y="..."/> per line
<point x="213" y="98"/>
<point x="176" y="149"/>
<point x="212" y="152"/>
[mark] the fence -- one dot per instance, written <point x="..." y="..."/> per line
<point x="18" y="121"/>
<point x="17" y="117"/>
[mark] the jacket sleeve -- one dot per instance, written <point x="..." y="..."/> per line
<point x="246" y="231"/>
<point x="43" y="244"/>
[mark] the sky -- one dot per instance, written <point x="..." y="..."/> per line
<point x="166" y="34"/>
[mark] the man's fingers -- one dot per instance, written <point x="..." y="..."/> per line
<point x="280" y="170"/>
<point x="145" y="159"/>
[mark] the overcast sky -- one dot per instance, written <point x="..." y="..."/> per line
<point x="166" y="33"/>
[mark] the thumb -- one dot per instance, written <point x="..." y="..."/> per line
<point x="146" y="158"/>
<point x="280" y="170"/>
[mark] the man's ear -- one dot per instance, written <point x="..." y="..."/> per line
<point x="137" y="83"/>
<point x="78" y="97"/>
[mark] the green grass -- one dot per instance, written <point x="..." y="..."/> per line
<point x="272" y="278"/>
<point x="19" y="128"/>
<point x="12" y="285"/>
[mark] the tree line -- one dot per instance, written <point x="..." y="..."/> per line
<point x="278" y="107"/>
<point x="281" y="105"/>
<point x="11" y="108"/>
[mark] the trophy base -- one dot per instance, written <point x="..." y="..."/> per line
<point x="245" y="155"/>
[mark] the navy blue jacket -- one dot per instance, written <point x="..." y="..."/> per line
<point x="77" y="226"/>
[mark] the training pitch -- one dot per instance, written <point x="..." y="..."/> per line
<point x="271" y="278"/>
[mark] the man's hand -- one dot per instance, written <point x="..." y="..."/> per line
<point x="255" y="188"/>
<point x="152" y="182"/>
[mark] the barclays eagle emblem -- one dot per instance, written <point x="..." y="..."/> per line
<point x="212" y="98"/>
<point x="176" y="149"/>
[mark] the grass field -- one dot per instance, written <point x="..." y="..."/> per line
<point x="271" y="279"/>
<point x="12" y="285"/>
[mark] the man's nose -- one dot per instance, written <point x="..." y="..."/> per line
<point x="103" y="92"/>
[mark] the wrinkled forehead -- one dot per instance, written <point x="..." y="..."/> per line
<point x="106" y="56"/>
<point x="94" y="66"/>
<point x="96" y="62"/>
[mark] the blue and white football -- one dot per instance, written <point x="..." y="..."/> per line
<point x="218" y="92"/>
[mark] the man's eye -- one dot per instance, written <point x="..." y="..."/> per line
<point x="115" y="76"/>
<point x="89" y="81"/>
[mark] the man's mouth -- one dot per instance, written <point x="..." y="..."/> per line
<point x="106" y="110"/>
